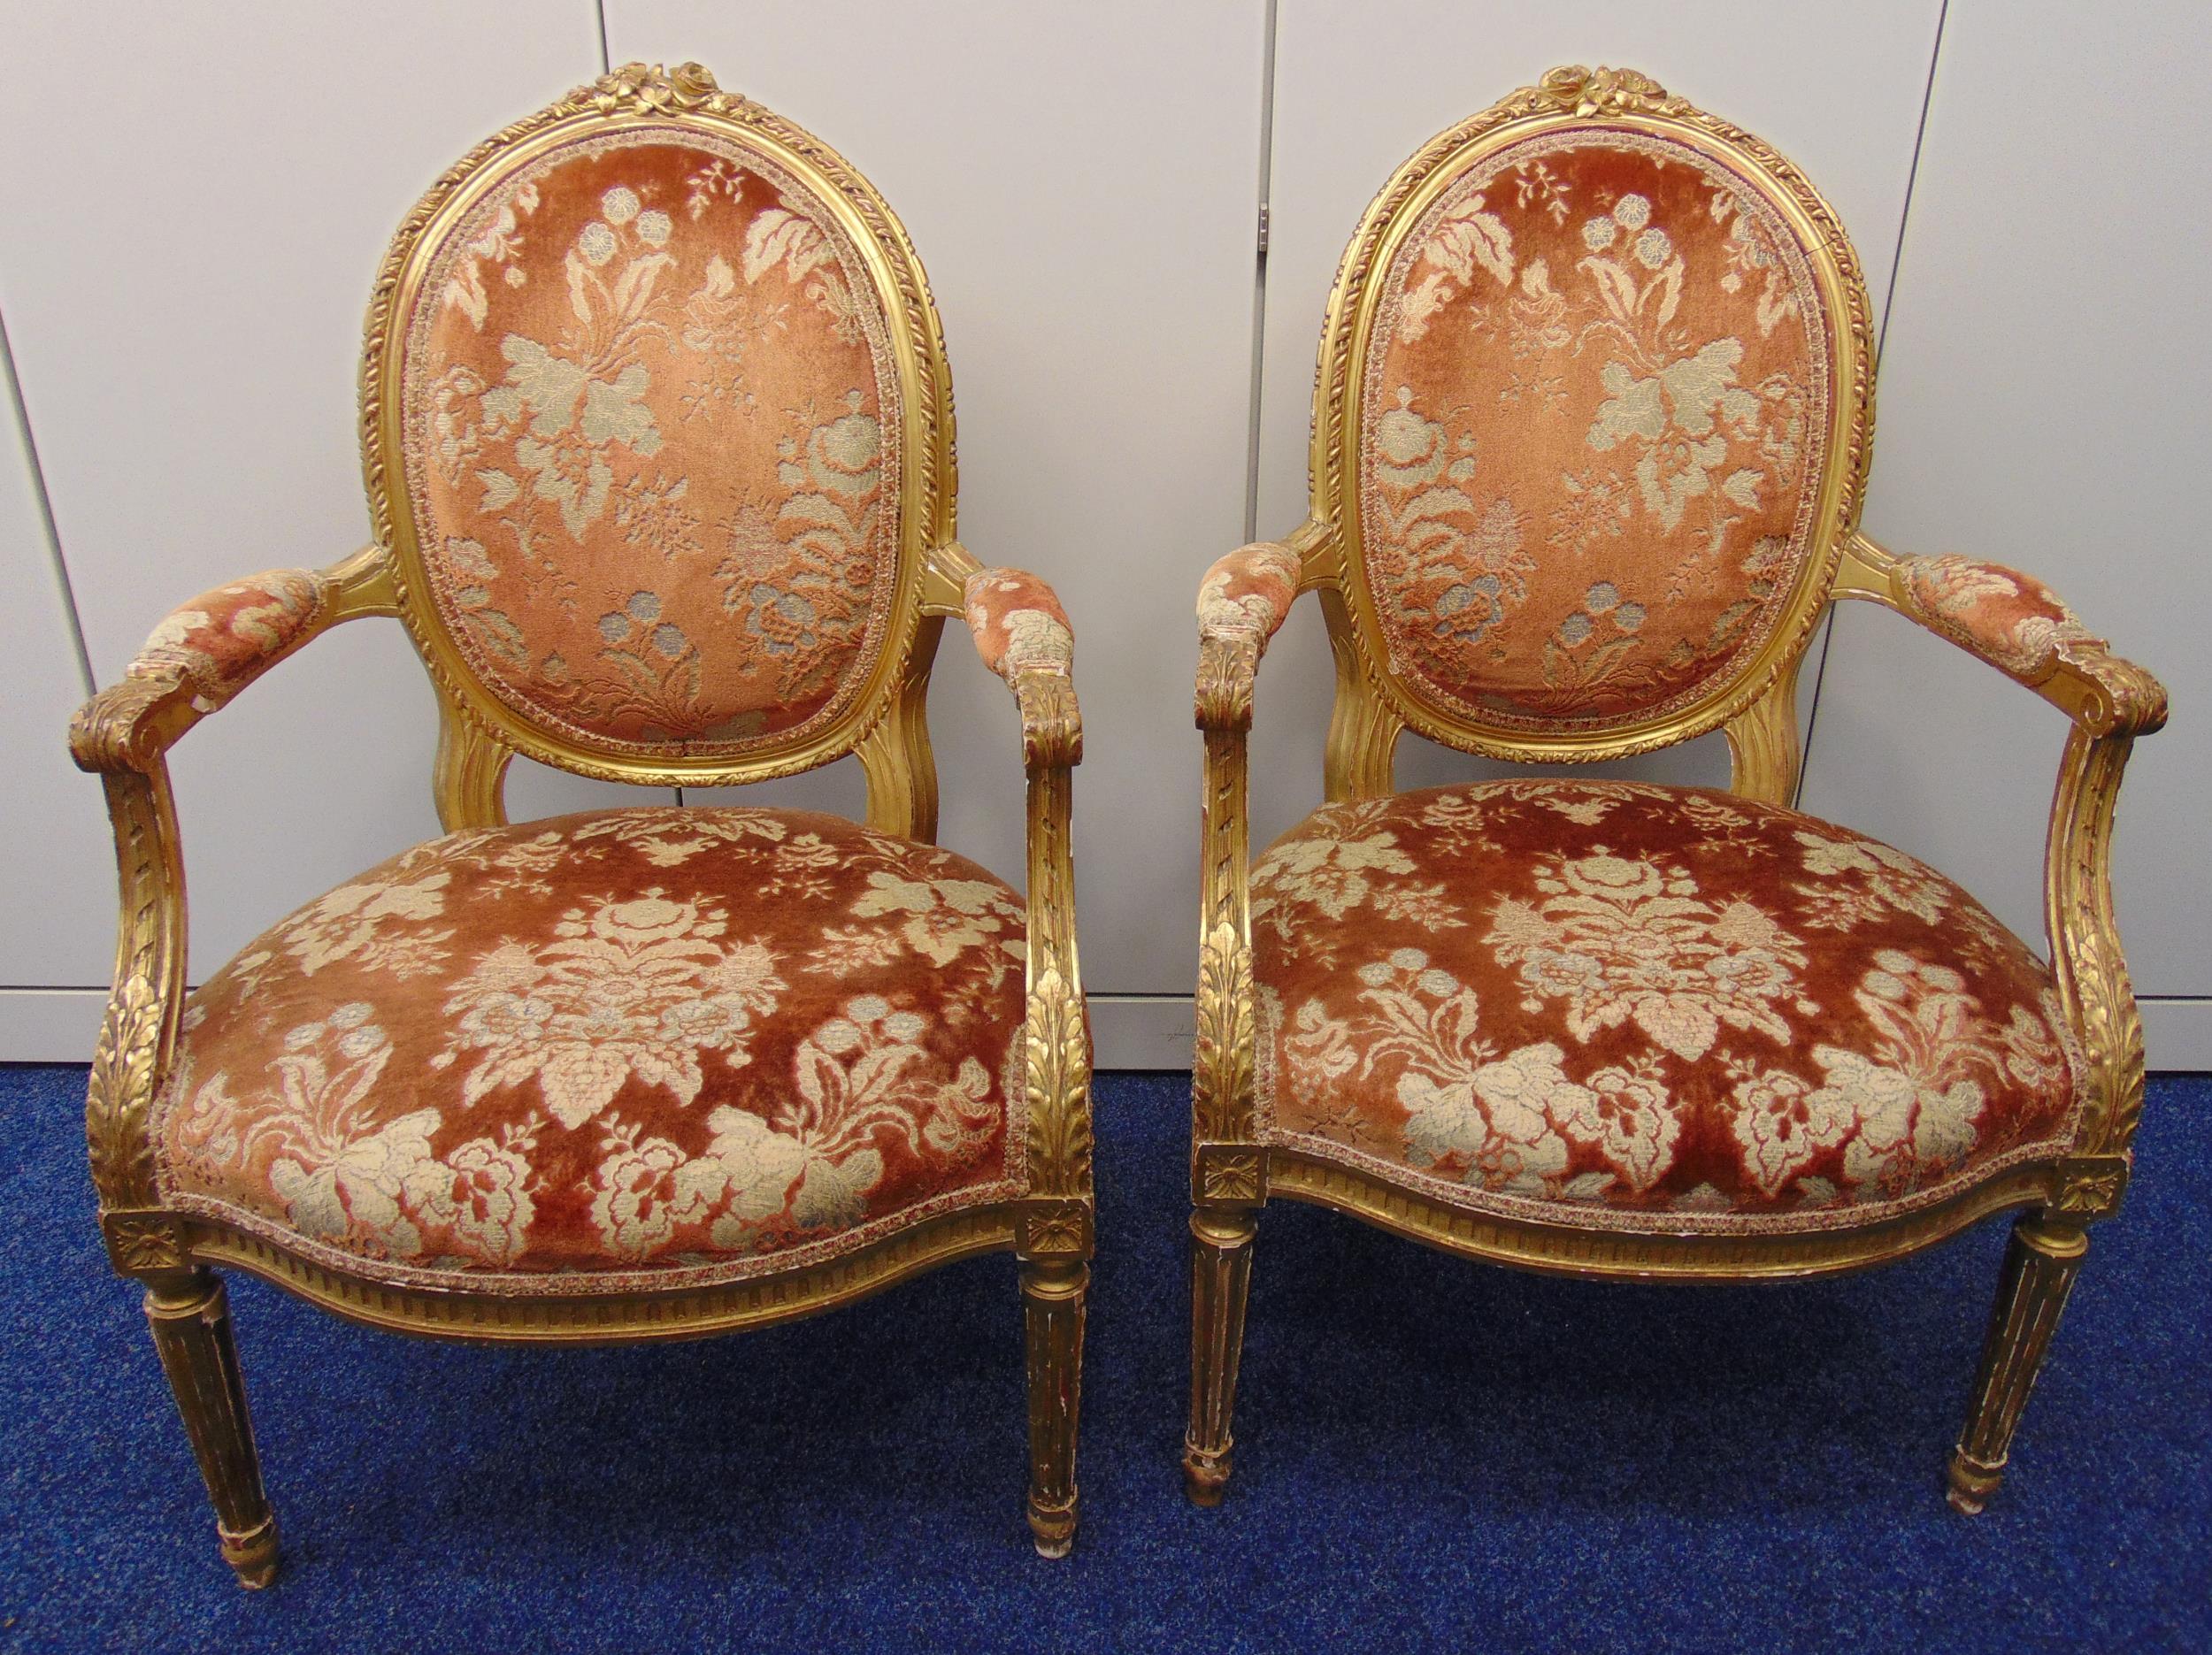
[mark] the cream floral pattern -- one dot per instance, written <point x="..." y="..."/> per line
<point x="382" y="1191"/>
<point x="1625" y="940"/>
<point x="1588" y="444"/>
<point x="635" y="988"/>
<point x="1909" y="1104"/>
<point x="223" y="639"/>
<point x="1669" y="1005"/>
<point x="674" y="1039"/>
<point x="1499" y="1119"/>
<point x="648" y="420"/>
<point x="2014" y="619"/>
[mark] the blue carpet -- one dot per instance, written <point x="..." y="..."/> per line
<point x="1434" y="1453"/>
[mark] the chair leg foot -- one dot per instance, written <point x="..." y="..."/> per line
<point x="189" y="1314"/>
<point x="1053" y="1292"/>
<point x="1221" y="1280"/>
<point x="252" y="1555"/>
<point x="2041" y="1262"/>
<point x="1969" y="1483"/>
<point x="1205" y="1476"/>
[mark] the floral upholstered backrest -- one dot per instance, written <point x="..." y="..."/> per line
<point x="646" y="380"/>
<point x="1603" y="373"/>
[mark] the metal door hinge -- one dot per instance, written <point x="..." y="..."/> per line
<point x="1262" y="226"/>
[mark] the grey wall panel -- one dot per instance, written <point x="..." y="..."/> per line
<point x="1359" y="88"/>
<point x="1081" y="183"/>
<point x="57" y="895"/>
<point x="216" y="193"/>
<point x="2043" y="405"/>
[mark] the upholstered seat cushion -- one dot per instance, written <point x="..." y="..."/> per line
<point x="1671" y="1007"/>
<point x="640" y="1044"/>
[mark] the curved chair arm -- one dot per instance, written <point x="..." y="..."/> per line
<point x="203" y="653"/>
<point x="195" y="663"/>
<point x="1023" y="635"/>
<point x="2016" y="623"/>
<point x="2018" y="626"/>
<point x="1242" y="601"/>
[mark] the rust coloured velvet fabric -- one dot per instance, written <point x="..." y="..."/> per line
<point x="1018" y="624"/>
<point x="1592" y="433"/>
<point x="643" y="1044"/>
<point x="224" y="639"/>
<point x="653" y="438"/>
<point x="1661" y="1008"/>
<point x="1249" y="590"/>
<point x="2011" y="620"/>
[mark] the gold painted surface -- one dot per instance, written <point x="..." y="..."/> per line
<point x="2110" y="700"/>
<point x="124" y="732"/>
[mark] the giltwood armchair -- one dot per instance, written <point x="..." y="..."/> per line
<point x="657" y="432"/>
<point x="1590" y="432"/>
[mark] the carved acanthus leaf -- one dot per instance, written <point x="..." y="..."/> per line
<point x="120" y="1090"/>
<point x="1059" y="1088"/>
<point x="127" y="725"/>
<point x="1228" y="665"/>
<point x="1052" y="723"/>
<point x="1222" y="1070"/>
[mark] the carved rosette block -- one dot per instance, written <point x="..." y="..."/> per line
<point x="1229" y="1174"/>
<point x="2041" y="1265"/>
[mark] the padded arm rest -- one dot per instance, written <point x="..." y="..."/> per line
<point x="1248" y="593"/>
<point x="1243" y="600"/>
<point x="224" y="639"/>
<point x="201" y="656"/>
<point x="1023" y="635"/>
<point x="2018" y="626"/>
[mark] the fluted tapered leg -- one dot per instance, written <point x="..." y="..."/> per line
<point x="1052" y="1303"/>
<point x="2041" y="1265"/>
<point x="1221" y="1276"/>
<point x="190" y="1316"/>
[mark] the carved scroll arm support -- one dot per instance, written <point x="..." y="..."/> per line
<point x="2014" y="623"/>
<point x="196" y="661"/>
<point x="1022" y="635"/>
<point x="1242" y="603"/>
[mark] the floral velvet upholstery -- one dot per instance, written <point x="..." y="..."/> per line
<point x="1658" y="1008"/>
<point x="1248" y="592"/>
<point x="222" y="641"/>
<point x="1592" y="432"/>
<point x="1018" y="623"/>
<point x="683" y="1042"/>
<point x="2010" y="619"/>
<point x="652" y="422"/>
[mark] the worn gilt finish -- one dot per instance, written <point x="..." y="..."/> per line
<point x="2110" y="700"/>
<point x="125" y="732"/>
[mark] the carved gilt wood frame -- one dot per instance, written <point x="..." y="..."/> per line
<point x="1233" y="1173"/>
<point x="125" y="732"/>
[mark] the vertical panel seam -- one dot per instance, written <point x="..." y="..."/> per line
<point x="1259" y="275"/>
<point x="57" y="565"/>
<point x="1881" y="355"/>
